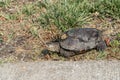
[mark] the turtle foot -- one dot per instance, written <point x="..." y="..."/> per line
<point x="66" y="53"/>
<point x="101" y="46"/>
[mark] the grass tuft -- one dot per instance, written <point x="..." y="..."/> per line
<point x="66" y="14"/>
<point x="34" y="31"/>
<point x="5" y="3"/>
<point x="2" y="4"/>
<point x="107" y="8"/>
<point x="102" y="55"/>
<point x="115" y="43"/>
<point x="28" y="9"/>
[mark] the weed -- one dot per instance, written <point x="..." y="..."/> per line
<point x="118" y="35"/>
<point x="34" y="31"/>
<point x="64" y="14"/>
<point x="28" y="9"/>
<point x="9" y="16"/>
<point x="5" y="3"/>
<point x="12" y="16"/>
<point x="115" y="43"/>
<point x="1" y="39"/>
<point x="102" y="55"/>
<point x="2" y="4"/>
<point x="107" y="8"/>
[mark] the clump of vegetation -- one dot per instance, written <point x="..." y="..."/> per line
<point x="5" y="3"/>
<point x="116" y="42"/>
<point x="101" y="55"/>
<point x="2" y="4"/>
<point x="28" y="9"/>
<point x="66" y="14"/>
<point x="107" y="8"/>
<point x="1" y="40"/>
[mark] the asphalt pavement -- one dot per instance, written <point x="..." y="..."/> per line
<point x="61" y="70"/>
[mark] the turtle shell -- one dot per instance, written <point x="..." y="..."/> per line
<point x="80" y="39"/>
<point x="77" y="45"/>
<point x="83" y="34"/>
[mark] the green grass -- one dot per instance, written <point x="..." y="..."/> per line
<point x="34" y="31"/>
<point x="11" y="16"/>
<point x="28" y="9"/>
<point x="102" y="55"/>
<point x="115" y="43"/>
<point x="5" y="3"/>
<point x="118" y="35"/>
<point x="2" y="4"/>
<point x="65" y="14"/>
<point x="107" y="8"/>
<point x="1" y="40"/>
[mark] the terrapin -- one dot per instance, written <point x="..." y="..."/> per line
<point x="76" y="41"/>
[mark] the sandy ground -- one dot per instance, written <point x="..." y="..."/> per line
<point x="46" y="70"/>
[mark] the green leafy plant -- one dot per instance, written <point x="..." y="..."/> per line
<point x="115" y="43"/>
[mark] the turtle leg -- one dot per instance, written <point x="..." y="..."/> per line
<point x="101" y="46"/>
<point x="66" y="53"/>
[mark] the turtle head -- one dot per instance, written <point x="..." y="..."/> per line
<point x="53" y="46"/>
